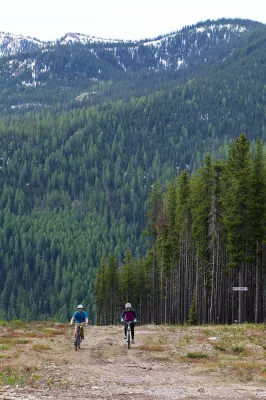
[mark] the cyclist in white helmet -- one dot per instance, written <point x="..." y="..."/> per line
<point x="80" y="316"/>
<point x="129" y="315"/>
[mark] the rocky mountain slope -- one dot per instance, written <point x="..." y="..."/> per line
<point x="77" y="64"/>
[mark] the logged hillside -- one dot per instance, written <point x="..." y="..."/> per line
<point x="76" y="176"/>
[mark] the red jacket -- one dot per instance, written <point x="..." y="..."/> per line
<point x="128" y="316"/>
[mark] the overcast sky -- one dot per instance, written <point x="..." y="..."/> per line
<point x="117" y="19"/>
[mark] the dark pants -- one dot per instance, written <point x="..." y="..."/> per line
<point x="132" y="330"/>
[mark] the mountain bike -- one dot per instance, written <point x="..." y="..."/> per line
<point x="78" y="339"/>
<point x="128" y="330"/>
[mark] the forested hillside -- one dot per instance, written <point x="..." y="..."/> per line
<point x="85" y="69"/>
<point x="77" y="173"/>
<point x="207" y="261"/>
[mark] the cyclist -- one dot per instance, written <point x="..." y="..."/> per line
<point x="80" y="316"/>
<point x="129" y="315"/>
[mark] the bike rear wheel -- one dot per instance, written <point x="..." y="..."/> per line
<point x="128" y="339"/>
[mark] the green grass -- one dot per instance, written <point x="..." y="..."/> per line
<point x="238" y="348"/>
<point x="5" y="356"/>
<point x="197" y="355"/>
<point x="12" y="377"/>
<point x="4" y="346"/>
<point x="219" y="347"/>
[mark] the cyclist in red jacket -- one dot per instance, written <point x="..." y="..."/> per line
<point x="129" y="315"/>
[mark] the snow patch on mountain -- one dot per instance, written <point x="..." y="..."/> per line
<point x="72" y="37"/>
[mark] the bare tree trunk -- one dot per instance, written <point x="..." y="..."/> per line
<point x="186" y="288"/>
<point x="153" y="284"/>
<point x="181" y="282"/>
<point x="240" y="296"/>
<point x="212" y="289"/>
<point x="264" y="296"/>
<point x="257" y="285"/>
<point x="197" y="286"/>
<point x="165" y="301"/>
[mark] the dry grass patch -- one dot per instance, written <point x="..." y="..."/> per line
<point x="49" y="332"/>
<point x="232" y="353"/>
<point x="40" y="347"/>
<point x="247" y="371"/>
<point x="18" y="340"/>
<point x="12" y="340"/>
<point x="152" y="347"/>
<point x="184" y="340"/>
<point x="21" y="341"/>
<point x="156" y="343"/>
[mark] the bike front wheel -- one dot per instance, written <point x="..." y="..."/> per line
<point x="77" y="341"/>
<point x="128" y="340"/>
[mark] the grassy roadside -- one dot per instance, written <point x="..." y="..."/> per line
<point x="22" y="350"/>
<point x="228" y="352"/>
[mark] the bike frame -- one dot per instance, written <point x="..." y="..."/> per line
<point x="128" y="333"/>
<point x="78" y="336"/>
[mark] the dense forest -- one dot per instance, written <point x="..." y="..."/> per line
<point x="208" y="234"/>
<point x="87" y="183"/>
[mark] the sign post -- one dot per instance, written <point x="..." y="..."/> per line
<point x="239" y="289"/>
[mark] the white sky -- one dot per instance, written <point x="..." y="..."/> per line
<point x="117" y="19"/>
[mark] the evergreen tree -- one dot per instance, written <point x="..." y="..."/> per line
<point x="237" y="210"/>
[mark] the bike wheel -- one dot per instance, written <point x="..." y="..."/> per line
<point x="76" y="341"/>
<point x="79" y="341"/>
<point x="128" y="340"/>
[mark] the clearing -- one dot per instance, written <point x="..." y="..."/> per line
<point x="37" y="361"/>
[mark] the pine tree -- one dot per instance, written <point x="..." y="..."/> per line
<point x="183" y="275"/>
<point x="155" y="210"/>
<point x="237" y="210"/>
<point x="201" y="199"/>
<point x="258" y="219"/>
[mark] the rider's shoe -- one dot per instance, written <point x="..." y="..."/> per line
<point x="82" y="337"/>
<point x="125" y="337"/>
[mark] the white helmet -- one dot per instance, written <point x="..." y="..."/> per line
<point x="128" y="305"/>
<point x="80" y="306"/>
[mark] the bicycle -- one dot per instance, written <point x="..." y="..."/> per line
<point x="78" y="338"/>
<point x="128" y="330"/>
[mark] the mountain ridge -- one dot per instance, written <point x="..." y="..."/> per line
<point x="11" y="41"/>
<point x="80" y="65"/>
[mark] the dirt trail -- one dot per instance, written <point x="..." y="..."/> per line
<point x="105" y="369"/>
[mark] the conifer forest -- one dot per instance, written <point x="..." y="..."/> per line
<point x="135" y="172"/>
